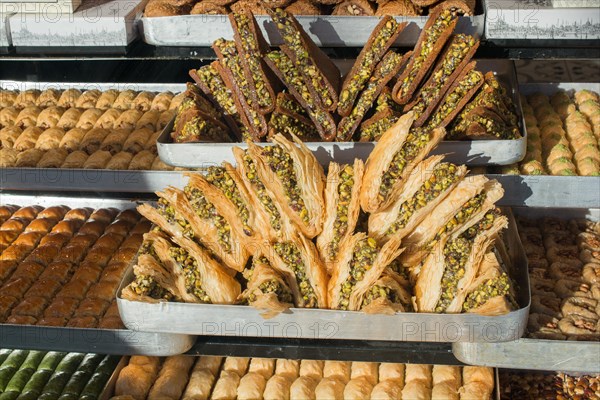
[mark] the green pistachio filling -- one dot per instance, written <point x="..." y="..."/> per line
<point x="199" y="128"/>
<point x="145" y="285"/>
<point x="261" y="191"/>
<point x="173" y="217"/>
<point x="399" y="269"/>
<point x="292" y="77"/>
<point x="290" y="104"/>
<point x="453" y="98"/>
<point x="206" y="210"/>
<point x="385" y="101"/>
<point x="374" y="131"/>
<point x="456" y="255"/>
<point x="372" y="56"/>
<point x="147" y="248"/>
<point x="255" y="261"/>
<point x="498" y="286"/>
<point x="287" y="125"/>
<point x="457" y="51"/>
<point x="232" y="62"/>
<point x="281" y="163"/>
<point x="290" y="254"/>
<point x="273" y="286"/>
<point x="377" y="292"/>
<point x="249" y="43"/>
<point x="416" y="140"/>
<point x="193" y="280"/>
<point x="304" y="63"/>
<point x="368" y="96"/>
<point x="340" y="225"/>
<point x="433" y="34"/>
<point x="469" y="208"/>
<point x="223" y="96"/>
<point x="363" y="257"/>
<point x="219" y="177"/>
<point x="444" y="175"/>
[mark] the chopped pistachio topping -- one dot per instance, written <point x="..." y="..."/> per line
<point x="368" y="96"/>
<point x="232" y="61"/>
<point x="469" y="208"/>
<point x="282" y="164"/>
<point x="173" y="217"/>
<point x="495" y="128"/>
<point x="374" y="131"/>
<point x="291" y="36"/>
<point x="293" y="259"/>
<point x="457" y="51"/>
<point x="498" y="286"/>
<point x="206" y="210"/>
<point x="432" y="35"/>
<point x="219" y="177"/>
<point x="287" y="125"/>
<point x="340" y="225"/>
<point x="147" y="248"/>
<point x="377" y="292"/>
<point x="385" y="101"/>
<point x="273" y="286"/>
<point x="193" y="280"/>
<point x="261" y="191"/>
<point x="416" y="140"/>
<point x="222" y="95"/>
<point x="453" y="98"/>
<point x="363" y="257"/>
<point x="290" y="104"/>
<point x="255" y="260"/>
<point x="250" y="46"/>
<point x="372" y="56"/>
<point x="145" y="285"/>
<point x="292" y="77"/>
<point x="398" y="268"/>
<point x="444" y="175"/>
<point x="456" y="255"/>
<point x="199" y="128"/>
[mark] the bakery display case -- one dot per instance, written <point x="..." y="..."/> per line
<point x="328" y="206"/>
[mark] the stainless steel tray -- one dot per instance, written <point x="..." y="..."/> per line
<point x="230" y="320"/>
<point x="104" y="341"/>
<point x="537" y="354"/>
<point x="477" y="152"/>
<point x="549" y="191"/>
<point x="91" y="180"/>
<point x="151" y="87"/>
<point x="550" y="88"/>
<point x="324" y="30"/>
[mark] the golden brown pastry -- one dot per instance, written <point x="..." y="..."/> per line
<point x="263" y="366"/>
<point x="120" y="161"/>
<point x="172" y="378"/>
<point x="165" y="118"/>
<point x="49" y="117"/>
<point x="125" y="100"/>
<point x="28" y="138"/>
<point x="72" y="139"/>
<point x="75" y="159"/>
<point x="278" y="388"/>
<point x="148" y="120"/>
<point x="303" y="388"/>
<point x="162" y="101"/>
<point x="108" y="119"/>
<point x="29" y="158"/>
<point x="7" y="98"/>
<point x="128" y="119"/>
<point x="226" y="386"/>
<point x="267" y="290"/>
<point x="68" y="98"/>
<point x="177" y="99"/>
<point x="392" y="371"/>
<point x="136" y="378"/>
<point x="416" y="390"/>
<point x="53" y="158"/>
<point x="337" y="369"/>
<point x="387" y="390"/>
<point x="136" y="140"/>
<point x="142" y="161"/>
<point x="151" y="142"/>
<point x="159" y="165"/>
<point x="397" y="7"/>
<point x="97" y="160"/>
<point x="303" y="7"/>
<point x="113" y="142"/>
<point x="312" y="368"/>
<point x="239" y="365"/>
<point x="50" y="139"/>
<point x="368" y="370"/>
<point x="27" y="98"/>
<point x="330" y="389"/>
<point x="28" y="117"/>
<point x="69" y="119"/>
<point x="8" y="116"/>
<point x="107" y="99"/>
<point x="251" y="387"/>
<point x="358" y="389"/>
<point x="88" y="118"/>
<point x="8" y="157"/>
<point x="92" y="140"/>
<point x="143" y="101"/>
<point x="9" y="135"/>
<point x="208" y="7"/>
<point x="88" y="99"/>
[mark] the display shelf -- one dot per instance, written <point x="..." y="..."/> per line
<point x="348" y="350"/>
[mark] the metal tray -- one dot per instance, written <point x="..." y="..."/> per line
<point x="240" y="321"/>
<point x="324" y="30"/>
<point x="476" y="152"/>
<point x="90" y="180"/>
<point x="549" y="191"/>
<point x="87" y="340"/>
<point x="537" y="354"/>
<point x="103" y="86"/>
<point x="550" y="88"/>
